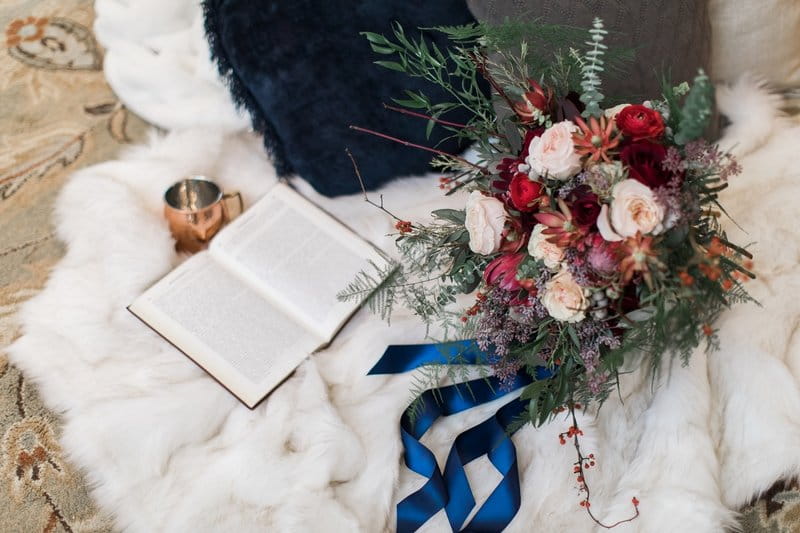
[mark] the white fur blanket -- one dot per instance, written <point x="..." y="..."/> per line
<point x="167" y="449"/>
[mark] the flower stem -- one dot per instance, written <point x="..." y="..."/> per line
<point x="480" y="64"/>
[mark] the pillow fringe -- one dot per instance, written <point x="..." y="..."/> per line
<point x="242" y="97"/>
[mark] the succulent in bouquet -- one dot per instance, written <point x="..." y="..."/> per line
<point x="590" y="239"/>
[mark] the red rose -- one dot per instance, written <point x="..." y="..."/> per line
<point x="638" y="122"/>
<point x="644" y="161"/>
<point x="584" y="206"/>
<point x="524" y="192"/>
<point x="508" y="167"/>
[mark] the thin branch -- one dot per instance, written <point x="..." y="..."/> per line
<point x="737" y="249"/>
<point x="479" y="168"/>
<point x="364" y="188"/>
<point x="426" y="117"/>
<point x="480" y="64"/>
<point x="579" y="464"/>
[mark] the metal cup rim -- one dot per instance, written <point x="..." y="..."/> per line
<point x="217" y="198"/>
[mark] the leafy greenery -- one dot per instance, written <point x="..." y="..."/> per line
<point x="695" y="275"/>
<point x="591" y="68"/>
<point x="696" y="112"/>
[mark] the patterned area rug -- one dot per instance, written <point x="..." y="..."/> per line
<point x="58" y="115"/>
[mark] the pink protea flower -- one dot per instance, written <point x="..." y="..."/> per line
<point x="602" y="255"/>
<point x="502" y="272"/>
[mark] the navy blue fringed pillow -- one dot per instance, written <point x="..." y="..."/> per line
<point x="305" y="74"/>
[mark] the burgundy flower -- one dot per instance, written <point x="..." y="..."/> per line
<point x="506" y="170"/>
<point x="526" y="143"/>
<point x="503" y="272"/>
<point x="638" y="122"/>
<point x="534" y="102"/>
<point x="569" y="107"/>
<point x="524" y="192"/>
<point x="644" y="161"/>
<point x="508" y="167"/>
<point x="584" y="205"/>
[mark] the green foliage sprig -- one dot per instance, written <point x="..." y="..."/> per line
<point x="697" y="110"/>
<point x="591" y="68"/>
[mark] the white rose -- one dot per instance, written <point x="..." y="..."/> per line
<point x="612" y="112"/>
<point x="633" y="209"/>
<point x="553" y="154"/>
<point x="485" y="220"/>
<point x="540" y="248"/>
<point x="564" y="299"/>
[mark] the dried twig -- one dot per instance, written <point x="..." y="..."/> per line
<point x="482" y="170"/>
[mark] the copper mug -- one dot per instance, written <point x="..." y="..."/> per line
<point x="196" y="209"/>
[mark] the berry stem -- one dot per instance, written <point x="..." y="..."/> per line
<point x="579" y="470"/>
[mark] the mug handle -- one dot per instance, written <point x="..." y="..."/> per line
<point x="226" y="210"/>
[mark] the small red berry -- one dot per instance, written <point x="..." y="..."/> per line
<point x="635" y="501"/>
<point x="403" y="226"/>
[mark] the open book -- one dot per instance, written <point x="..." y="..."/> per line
<point x="254" y="305"/>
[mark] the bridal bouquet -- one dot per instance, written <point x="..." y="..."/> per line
<point x="590" y="237"/>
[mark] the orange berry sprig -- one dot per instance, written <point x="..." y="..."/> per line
<point x="585" y="463"/>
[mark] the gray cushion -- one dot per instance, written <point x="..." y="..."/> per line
<point x="667" y="35"/>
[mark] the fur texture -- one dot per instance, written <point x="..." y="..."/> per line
<point x="157" y="60"/>
<point x="167" y="449"/>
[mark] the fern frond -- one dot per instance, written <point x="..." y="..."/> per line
<point x="376" y="290"/>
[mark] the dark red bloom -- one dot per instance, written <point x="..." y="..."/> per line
<point x="524" y="192"/>
<point x="533" y="102"/>
<point x="643" y="160"/>
<point x="503" y="272"/>
<point x="526" y="143"/>
<point x="585" y="206"/>
<point x="508" y="167"/>
<point x="638" y="122"/>
<point x="569" y="107"/>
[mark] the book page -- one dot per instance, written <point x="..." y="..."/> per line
<point x="300" y="253"/>
<point x="226" y="327"/>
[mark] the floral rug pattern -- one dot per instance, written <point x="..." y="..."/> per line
<point x="58" y="115"/>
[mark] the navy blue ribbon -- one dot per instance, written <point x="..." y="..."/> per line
<point x="450" y="490"/>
